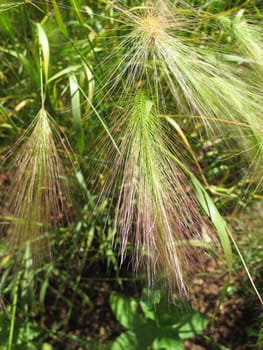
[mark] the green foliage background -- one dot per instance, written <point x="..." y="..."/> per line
<point x="42" y="304"/>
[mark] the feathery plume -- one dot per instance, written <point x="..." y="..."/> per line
<point x="163" y="53"/>
<point x="154" y="212"/>
<point x="247" y="36"/>
<point x="38" y="188"/>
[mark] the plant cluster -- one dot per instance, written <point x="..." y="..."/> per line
<point x="161" y="102"/>
<point x="154" y="323"/>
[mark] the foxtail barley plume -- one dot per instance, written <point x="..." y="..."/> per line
<point x="247" y="36"/>
<point x="164" y="52"/>
<point x="38" y="188"/>
<point x="154" y="212"/>
<point x="183" y="73"/>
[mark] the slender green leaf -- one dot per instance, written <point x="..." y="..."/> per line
<point x="59" y="19"/>
<point x="65" y="71"/>
<point x="211" y="210"/>
<point x="76" y="9"/>
<point x="218" y="221"/>
<point x="8" y="5"/>
<point x="100" y="119"/>
<point x="44" y="45"/>
<point x="76" y="111"/>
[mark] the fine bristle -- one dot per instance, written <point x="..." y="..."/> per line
<point x="159" y="53"/>
<point x="154" y="213"/>
<point x="38" y="188"/>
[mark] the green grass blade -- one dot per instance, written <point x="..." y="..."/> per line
<point x="65" y="71"/>
<point x="100" y="119"/>
<point x="210" y="209"/>
<point x="44" y="45"/>
<point x="220" y="224"/>
<point x="76" y="111"/>
<point x="246" y="268"/>
<point x="13" y="313"/>
<point x="8" y="5"/>
<point x="59" y="19"/>
<point x="76" y="9"/>
<point x="218" y="221"/>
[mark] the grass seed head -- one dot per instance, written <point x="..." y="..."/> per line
<point x="154" y="212"/>
<point x="38" y="192"/>
<point x="162" y="53"/>
<point x="247" y="36"/>
<point x="152" y="29"/>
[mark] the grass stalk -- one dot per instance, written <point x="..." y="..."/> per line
<point x="13" y="313"/>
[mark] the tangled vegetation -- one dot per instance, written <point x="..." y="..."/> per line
<point x="131" y="163"/>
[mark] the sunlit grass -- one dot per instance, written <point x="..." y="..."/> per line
<point x="155" y="96"/>
<point x="161" y="51"/>
<point x="154" y="212"/>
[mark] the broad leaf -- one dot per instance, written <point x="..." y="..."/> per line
<point x="194" y="324"/>
<point x="126" y="311"/>
<point x="126" y="341"/>
<point x="167" y="343"/>
<point x="148" y="302"/>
